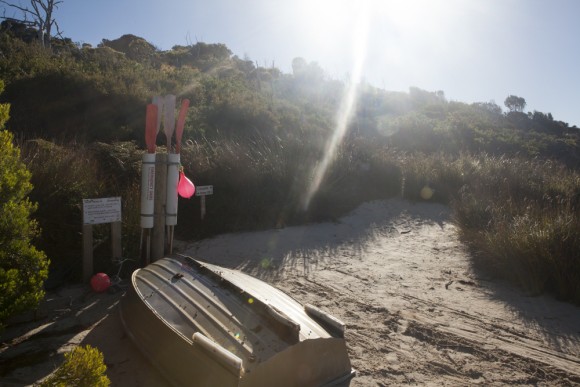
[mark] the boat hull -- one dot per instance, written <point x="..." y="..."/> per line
<point x="204" y="325"/>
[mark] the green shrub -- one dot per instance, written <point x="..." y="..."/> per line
<point x="23" y="268"/>
<point x="83" y="367"/>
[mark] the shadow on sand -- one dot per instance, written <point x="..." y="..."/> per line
<point x="33" y="345"/>
<point x="266" y="254"/>
<point x="298" y="250"/>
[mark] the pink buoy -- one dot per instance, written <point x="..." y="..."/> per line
<point x="100" y="282"/>
<point x="185" y="187"/>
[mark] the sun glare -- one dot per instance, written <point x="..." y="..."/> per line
<point x="402" y="34"/>
<point x="414" y="16"/>
<point x="327" y="19"/>
<point x="348" y="104"/>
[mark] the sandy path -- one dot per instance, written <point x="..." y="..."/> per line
<point x="394" y="272"/>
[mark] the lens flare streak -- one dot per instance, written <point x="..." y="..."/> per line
<point x="348" y="104"/>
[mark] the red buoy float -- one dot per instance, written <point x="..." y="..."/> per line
<point x="100" y="282"/>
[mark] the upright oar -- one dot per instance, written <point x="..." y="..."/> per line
<point x="169" y="119"/>
<point x="148" y="176"/>
<point x="158" y="101"/>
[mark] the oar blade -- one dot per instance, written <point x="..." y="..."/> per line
<point x="151" y="127"/>
<point x="169" y="118"/>
<point x="180" y="124"/>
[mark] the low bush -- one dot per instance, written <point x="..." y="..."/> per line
<point x="83" y="367"/>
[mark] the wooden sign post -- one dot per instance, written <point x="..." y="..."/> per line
<point x="98" y="211"/>
<point x="203" y="191"/>
<point x="158" y="239"/>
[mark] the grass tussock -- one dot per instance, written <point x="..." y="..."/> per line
<point x="521" y="217"/>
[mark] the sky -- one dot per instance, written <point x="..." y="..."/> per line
<point x="473" y="50"/>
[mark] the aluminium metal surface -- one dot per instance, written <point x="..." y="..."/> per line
<point x="202" y="324"/>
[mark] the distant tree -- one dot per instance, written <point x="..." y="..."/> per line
<point x="515" y="103"/>
<point x="23" y="268"/>
<point x="42" y="14"/>
<point x="201" y="55"/>
<point x="136" y="48"/>
<point x="19" y="30"/>
<point x="541" y="117"/>
<point x="298" y="65"/>
<point x="490" y="107"/>
<point x="420" y="97"/>
<point x="307" y="72"/>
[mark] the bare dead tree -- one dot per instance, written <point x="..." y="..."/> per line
<point x="41" y="13"/>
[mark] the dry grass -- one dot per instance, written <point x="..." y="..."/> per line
<point x="520" y="216"/>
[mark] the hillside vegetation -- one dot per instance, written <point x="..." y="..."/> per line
<point x="256" y="134"/>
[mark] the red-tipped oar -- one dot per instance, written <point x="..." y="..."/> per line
<point x="169" y="119"/>
<point x="180" y="124"/>
<point x="151" y="127"/>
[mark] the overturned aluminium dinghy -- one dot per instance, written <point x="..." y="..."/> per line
<point x="204" y="325"/>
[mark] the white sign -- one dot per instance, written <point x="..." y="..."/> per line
<point x="103" y="210"/>
<point x="204" y="190"/>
